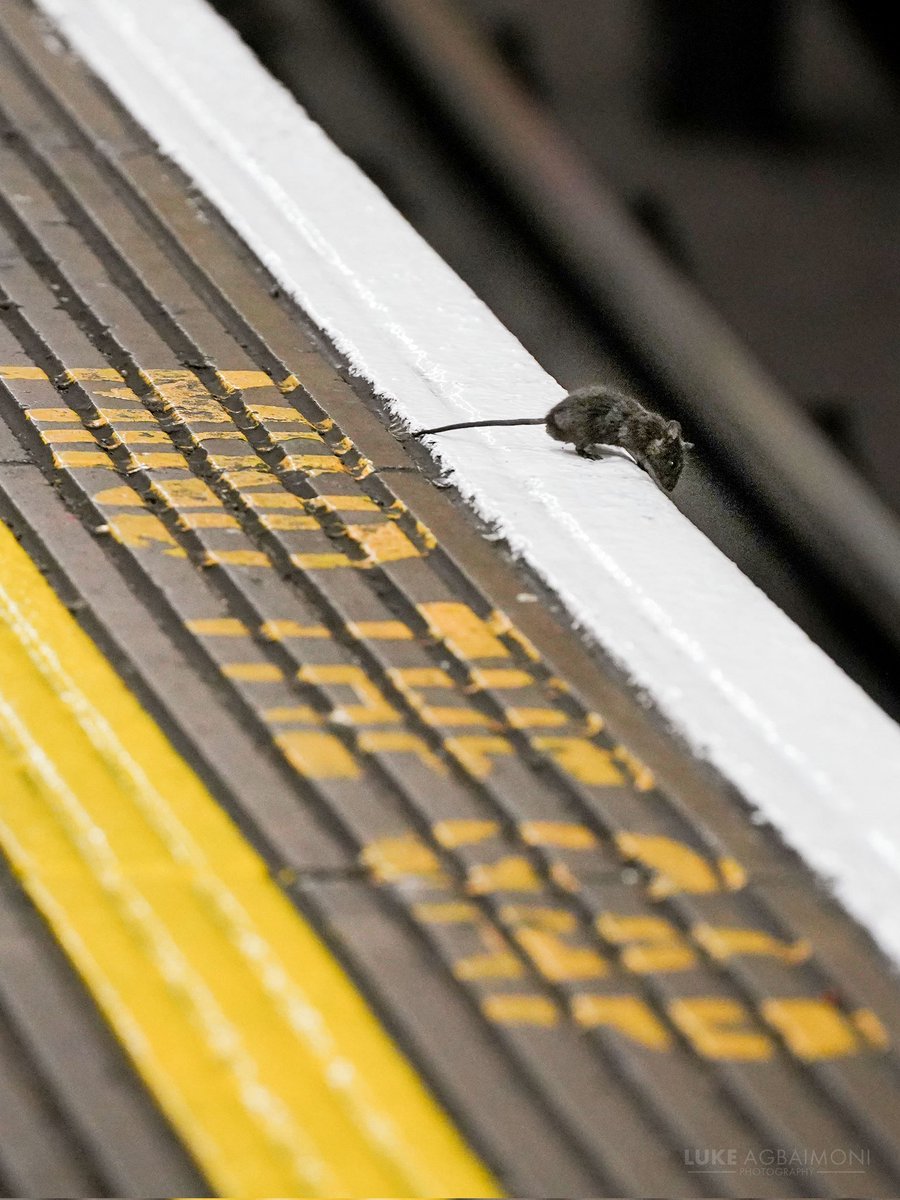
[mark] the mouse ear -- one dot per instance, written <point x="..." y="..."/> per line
<point x="688" y="445"/>
<point x="673" y="429"/>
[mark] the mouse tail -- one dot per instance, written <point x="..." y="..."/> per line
<point x="482" y="425"/>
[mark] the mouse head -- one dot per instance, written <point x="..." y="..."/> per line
<point x="665" y="455"/>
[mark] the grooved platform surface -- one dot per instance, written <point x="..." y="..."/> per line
<point x="591" y="967"/>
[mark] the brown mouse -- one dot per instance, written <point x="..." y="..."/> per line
<point x="600" y="415"/>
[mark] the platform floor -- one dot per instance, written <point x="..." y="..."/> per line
<point x="334" y="864"/>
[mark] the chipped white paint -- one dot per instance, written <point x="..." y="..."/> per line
<point x="740" y="683"/>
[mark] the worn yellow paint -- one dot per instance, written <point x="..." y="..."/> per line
<point x="312" y="464"/>
<point x="185" y="493"/>
<point x="145" y="437"/>
<point x="464" y="832"/>
<point x="724" y="942"/>
<point x="236" y="558"/>
<point x="558" y="961"/>
<point x="629" y="1016"/>
<point x="403" y="857"/>
<point x="263" y="500"/>
<point x="720" y="1028"/>
<point x="647" y="943"/>
<point x="44" y="416"/>
<point x="409" y="680"/>
<point x="317" y="755"/>
<point x="288" y="522"/>
<point x="372" y="708"/>
<point x="426" y="537"/>
<point x="563" y="876"/>
<point x="155" y="460"/>
<point x="235" y="462"/>
<point x="363" y="468"/>
<point x="501" y="625"/>
<point x="251" y="1038"/>
<point x="501" y="678"/>
<point x="581" y="759"/>
<point x="221" y="433"/>
<point x="253" y="672"/>
<point x="280" y="415"/>
<point x="452" y="717"/>
<point x="344" y="503"/>
<point x="54" y="437"/>
<point x="299" y="714"/>
<point x="406" y="678"/>
<point x="463" y="631"/>
<point x="535" y="718"/>
<point x="249" y="477"/>
<point x="80" y="460"/>
<point x="23" y="373"/>
<point x="492" y="964"/>
<point x="124" y="497"/>
<point x="446" y="912"/>
<point x="677" y="867"/>
<point x="242" y="380"/>
<point x="183" y="393"/>
<point x="217" y="627"/>
<point x="511" y="874"/>
<point x="476" y="752"/>
<point x="869" y="1025"/>
<point x="142" y="530"/>
<point x="117" y="416"/>
<point x="94" y="375"/>
<point x="592" y="724"/>
<point x="283" y="436"/>
<point x="384" y="542"/>
<point x="641" y="775"/>
<point x="520" y="1010"/>
<point x="321" y="562"/>
<point x="813" y="1029"/>
<point x="733" y="874"/>
<point x="537" y="916"/>
<point x="277" y="630"/>
<point x="558" y="685"/>
<point x="378" y="741"/>
<point x="207" y="520"/>
<point x="384" y="631"/>
<point x="565" y="835"/>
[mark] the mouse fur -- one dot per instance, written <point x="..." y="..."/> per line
<point x="600" y="415"/>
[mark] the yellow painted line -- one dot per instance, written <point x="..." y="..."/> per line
<point x="394" y="631"/>
<point x="273" y="500"/>
<point x="217" y="627"/>
<point x="14" y="372"/>
<point x="463" y="630"/>
<point x="253" y="1041"/>
<point x="248" y="379"/>
<point x="280" y="629"/>
<point x="383" y="542"/>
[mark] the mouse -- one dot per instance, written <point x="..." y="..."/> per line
<point x="600" y="415"/>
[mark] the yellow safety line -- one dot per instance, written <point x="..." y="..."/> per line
<point x="256" y="1045"/>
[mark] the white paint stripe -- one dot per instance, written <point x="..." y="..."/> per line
<point x="735" y="677"/>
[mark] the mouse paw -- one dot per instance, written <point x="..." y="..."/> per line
<point x="589" y="452"/>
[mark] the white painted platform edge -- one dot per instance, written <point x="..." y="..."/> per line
<point x="742" y="685"/>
